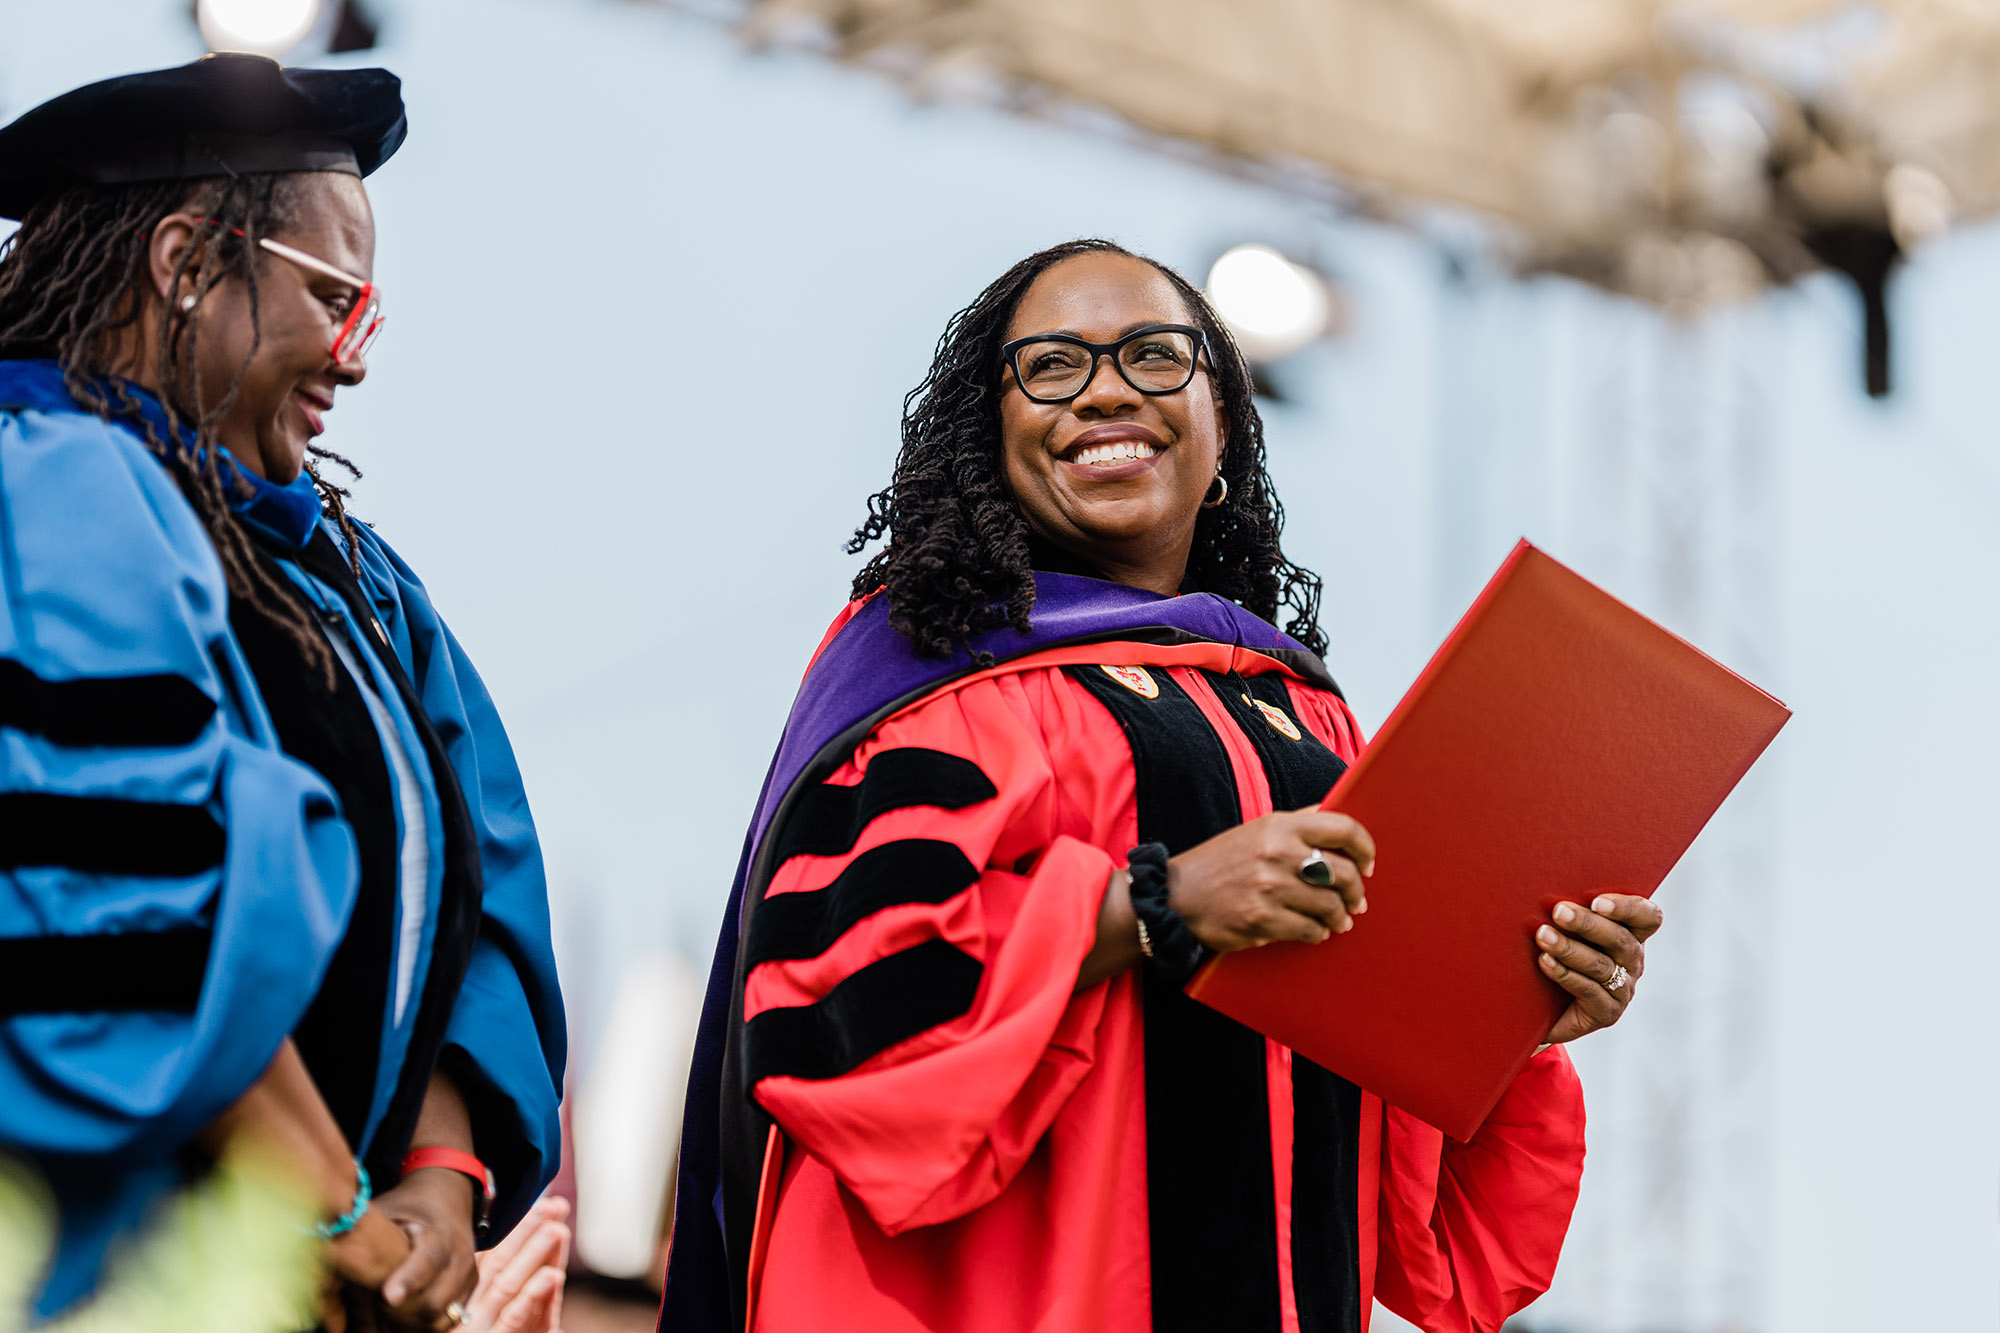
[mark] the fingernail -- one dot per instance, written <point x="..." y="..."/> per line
<point x="1361" y="907"/>
<point x="1548" y="935"/>
<point x="1346" y="925"/>
<point x="1565" y="913"/>
<point x="392" y="1294"/>
<point x="1603" y="905"/>
<point x="1369" y="873"/>
<point x="1551" y="964"/>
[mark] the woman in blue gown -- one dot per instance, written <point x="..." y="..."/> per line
<point x="265" y="856"/>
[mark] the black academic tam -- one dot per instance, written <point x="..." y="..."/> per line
<point x="223" y="115"/>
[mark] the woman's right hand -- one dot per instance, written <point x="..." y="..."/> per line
<point x="356" y="1266"/>
<point x="1242" y="888"/>
<point x="366" y="1256"/>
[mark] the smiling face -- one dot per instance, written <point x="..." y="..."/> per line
<point x="288" y="386"/>
<point x="1114" y="476"/>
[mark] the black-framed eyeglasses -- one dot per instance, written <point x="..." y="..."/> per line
<point x="1055" y="367"/>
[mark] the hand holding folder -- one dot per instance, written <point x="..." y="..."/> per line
<point x="1559" y="746"/>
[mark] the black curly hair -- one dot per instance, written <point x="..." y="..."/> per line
<point x="957" y="561"/>
<point x="70" y="279"/>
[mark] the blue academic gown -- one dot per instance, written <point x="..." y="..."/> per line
<point x="151" y="827"/>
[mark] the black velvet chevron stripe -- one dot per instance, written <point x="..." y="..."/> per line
<point x="131" y="711"/>
<point x="886" y="1002"/>
<point x="96" y="974"/>
<point x="827" y="819"/>
<point x="805" y="925"/>
<point x="102" y="835"/>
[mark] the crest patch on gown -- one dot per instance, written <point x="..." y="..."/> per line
<point x="1276" y="717"/>
<point x="1135" y="679"/>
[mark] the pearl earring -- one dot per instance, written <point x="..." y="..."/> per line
<point x="187" y="302"/>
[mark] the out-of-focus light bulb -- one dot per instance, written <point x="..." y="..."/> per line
<point x="266" y="27"/>
<point x="1273" y="306"/>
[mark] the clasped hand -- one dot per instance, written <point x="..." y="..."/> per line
<point x="1242" y="889"/>
<point x="414" y="1247"/>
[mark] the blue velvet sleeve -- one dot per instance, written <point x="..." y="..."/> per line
<point x="172" y="887"/>
<point x="506" y="1044"/>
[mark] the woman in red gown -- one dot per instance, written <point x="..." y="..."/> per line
<point x="1054" y="756"/>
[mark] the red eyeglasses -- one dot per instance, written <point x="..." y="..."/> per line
<point x="364" y="321"/>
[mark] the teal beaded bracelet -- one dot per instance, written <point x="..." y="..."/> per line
<point x="340" y="1226"/>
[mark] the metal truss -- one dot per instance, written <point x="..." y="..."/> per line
<point x="1656" y="462"/>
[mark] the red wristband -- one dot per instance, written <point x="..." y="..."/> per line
<point x="453" y="1159"/>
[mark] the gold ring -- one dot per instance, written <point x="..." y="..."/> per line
<point x="455" y="1312"/>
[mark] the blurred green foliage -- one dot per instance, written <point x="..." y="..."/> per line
<point x="230" y="1254"/>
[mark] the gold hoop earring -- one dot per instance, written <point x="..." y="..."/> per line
<point x="1221" y="481"/>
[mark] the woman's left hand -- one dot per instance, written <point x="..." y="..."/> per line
<point x="434" y="1209"/>
<point x="1584" y="951"/>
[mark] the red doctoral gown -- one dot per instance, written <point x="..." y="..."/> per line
<point x="963" y="1143"/>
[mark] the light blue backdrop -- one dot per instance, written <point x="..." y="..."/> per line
<point x="654" y="304"/>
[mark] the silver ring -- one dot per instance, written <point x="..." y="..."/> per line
<point x="455" y="1312"/>
<point x="1619" y="976"/>
<point x="1315" y="871"/>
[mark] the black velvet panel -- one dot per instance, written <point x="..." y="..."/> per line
<point x="458" y="908"/>
<point x="138" y="712"/>
<point x="157" y="971"/>
<point x="331" y="731"/>
<point x="105" y="836"/>
<point x="1326" y="1109"/>
<point x="1212" y="1207"/>
<point x="886" y="1002"/>
<point x="1326" y="1247"/>
<point x="1301" y="772"/>
<point x="828" y="818"/>
<point x="910" y="870"/>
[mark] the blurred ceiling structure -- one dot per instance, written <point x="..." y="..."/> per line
<point x="1680" y="151"/>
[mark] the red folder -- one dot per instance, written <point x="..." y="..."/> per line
<point x="1559" y="745"/>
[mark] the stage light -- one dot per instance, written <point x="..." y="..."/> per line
<point x="266" y="27"/>
<point x="1272" y="305"/>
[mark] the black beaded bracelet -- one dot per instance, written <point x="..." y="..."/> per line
<point x="1172" y="952"/>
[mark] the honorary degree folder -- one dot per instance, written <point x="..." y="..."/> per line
<point x="1558" y="746"/>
